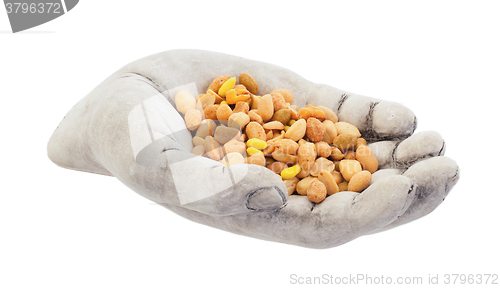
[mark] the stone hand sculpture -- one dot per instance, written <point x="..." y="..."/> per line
<point x="128" y="127"/>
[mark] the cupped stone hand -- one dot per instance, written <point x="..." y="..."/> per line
<point x="128" y="127"/>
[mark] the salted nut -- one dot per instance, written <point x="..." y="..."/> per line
<point x="314" y="153"/>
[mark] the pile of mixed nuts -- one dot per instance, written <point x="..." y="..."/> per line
<point x="314" y="153"/>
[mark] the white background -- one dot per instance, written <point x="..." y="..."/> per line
<point x="62" y="228"/>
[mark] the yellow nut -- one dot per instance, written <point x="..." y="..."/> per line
<point x="290" y="123"/>
<point x="234" y="96"/>
<point x="252" y="150"/>
<point x="223" y="103"/>
<point x="286" y="128"/>
<point x="228" y="85"/>
<point x="291" y="172"/>
<point x="257" y="143"/>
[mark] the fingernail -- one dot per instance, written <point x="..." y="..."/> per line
<point x="267" y="198"/>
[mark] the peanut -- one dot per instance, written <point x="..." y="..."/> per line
<point x="329" y="114"/>
<point x="254" y="117"/>
<point x="365" y="156"/>
<point x="238" y="120"/>
<point x="224" y="112"/>
<point x="350" y="155"/>
<point x="232" y="159"/>
<point x="234" y="146"/>
<point x="336" y="154"/>
<point x="297" y="130"/>
<point x="316" y="191"/>
<point x="343" y="186"/>
<point x="212" y="148"/>
<point x="255" y="130"/>
<point x="311" y="111"/>
<point x="290" y="185"/>
<point x="304" y="184"/>
<point x="207" y="99"/>
<point x="217" y="83"/>
<point x="278" y="101"/>
<point x="287" y="146"/>
<point x="307" y="155"/>
<point x="323" y="149"/>
<point x="321" y="164"/>
<point x="184" y="101"/>
<point x="330" y="131"/>
<point x="192" y="119"/>
<point x="274" y="125"/>
<point x="287" y="95"/>
<point x="198" y="150"/>
<point x="211" y="111"/>
<point x="225" y="134"/>
<point x="327" y="178"/>
<point x="347" y="128"/>
<point x="277" y="167"/>
<point x="360" y="142"/>
<point x="241" y="107"/>
<point x="315" y="129"/>
<point x="348" y="168"/>
<point x="207" y="128"/>
<point x="257" y="159"/>
<point x="265" y="107"/>
<point x="249" y="83"/>
<point x="359" y="181"/>
<point x="198" y="141"/>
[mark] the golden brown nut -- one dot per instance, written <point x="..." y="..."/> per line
<point x="241" y="107"/>
<point x="217" y="83"/>
<point x="304" y="184"/>
<point x="323" y="149"/>
<point x="350" y="155"/>
<point x="329" y="180"/>
<point x="315" y="129"/>
<point x="211" y="111"/>
<point x="316" y="191"/>
<point x="278" y="101"/>
<point x="255" y="130"/>
<point x="365" y="156"/>
<point x="359" y="181"/>
<point x="287" y="95"/>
